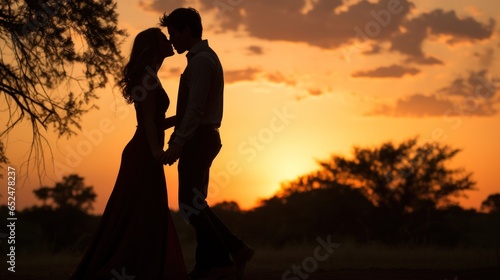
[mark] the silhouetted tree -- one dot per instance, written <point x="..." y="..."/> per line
<point x="55" y="54"/>
<point x="404" y="177"/>
<point x="407" y="184"/>
<point x="71" y="193"/>
<point x="491" y="204"/>
<point x="63" y="220"/>
<point x="228" y="206"/>
<point x="301" y="215"/>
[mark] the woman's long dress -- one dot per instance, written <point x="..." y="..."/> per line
<point x="136" y="237"/>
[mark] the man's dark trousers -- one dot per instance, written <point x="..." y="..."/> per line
<point x="215" y="241"/>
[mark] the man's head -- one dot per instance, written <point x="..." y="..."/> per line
<point x="184" y="28"/>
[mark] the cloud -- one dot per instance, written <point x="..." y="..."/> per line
<point x="233" y="76"/>
<point x="170" y="73"/>
<point x="418" y="105"/>
<point x="486" y="59"/>
<point x="326" y="24"/>
<point x="393" y="71"/>
<point x="387" y="26"/>
<point x="473" y="84"/>
<point x="163" y="6"/>
<point x="277" y="77"/>
<point x="175" y="71"/>
<point x="473" y="96"/>
<point x="426" y="60"/>
<point x="255" y="50"/>
<point x="331" y="24"/>
<point x="375" y="49"/>
<point x="460" y="29"/>
<point x="435" y="24"/>
<point x="253" y="74"/>
<point x="315" y="91"/>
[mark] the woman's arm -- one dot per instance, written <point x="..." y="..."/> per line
<point x="148" y="115"/>
<point x="169" y="122"/>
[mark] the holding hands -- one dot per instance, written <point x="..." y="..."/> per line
<point x="159" y="155"/>
<point x="169" y="156"/>
<point x="172" y="154"/>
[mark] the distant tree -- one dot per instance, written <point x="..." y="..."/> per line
<point x="408" y="185"/>
<point x="304" y="214"/>
<point x="55" y="54"/>
<point x="404" y="177"/>
<point x="230" y="213"/>
<point x="229" y="206"/>
<point x="64" y="220"/>
<point x="71" y="193"/>
<point x="491" y="204"/>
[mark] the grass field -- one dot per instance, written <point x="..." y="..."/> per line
<point x="349" y="261"/>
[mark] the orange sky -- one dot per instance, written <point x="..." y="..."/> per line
<point x="302" y="83"/>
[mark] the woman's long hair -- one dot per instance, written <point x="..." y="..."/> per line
<point x="143" y="55"/>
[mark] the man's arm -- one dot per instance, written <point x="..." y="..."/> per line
<point x="200" y="78"/>
<point x="148" y="110"/>
<point x="169" y="122"/>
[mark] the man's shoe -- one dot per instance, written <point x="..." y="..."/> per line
<point x="215" y="273"/>
<point x="242" y="257"/>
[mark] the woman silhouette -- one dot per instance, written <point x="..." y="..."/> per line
<point x="136" y="238"/>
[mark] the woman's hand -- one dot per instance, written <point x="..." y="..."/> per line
<point x="160" y="156"/>
<point x="172" y="154"/>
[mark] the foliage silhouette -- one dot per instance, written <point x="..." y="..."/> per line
<point x="71" y="193"/>
<point x="227" y="206"/>
<point x="403" y="178"/>
<point x="304" y="215"/>
<point x="312" y="205"/>
<point x="3" y="158"/>
<point x="65" y="220"/>
<point x="392" y="193"/>
<point x="492" y="203"/>
<point x="45" y="44"/>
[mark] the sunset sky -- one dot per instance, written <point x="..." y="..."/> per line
<point x="306" y="79"/>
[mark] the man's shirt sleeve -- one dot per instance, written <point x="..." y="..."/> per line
<point x="198" y="78"/>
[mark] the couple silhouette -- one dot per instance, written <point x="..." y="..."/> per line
<point x="136" y="237"/>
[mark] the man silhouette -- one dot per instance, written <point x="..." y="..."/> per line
<point x="196" y="142"/>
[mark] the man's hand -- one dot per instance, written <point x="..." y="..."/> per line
<point x="169" y="122"/>
<point x="172" y="154"/>
<point x="159" y="155"/>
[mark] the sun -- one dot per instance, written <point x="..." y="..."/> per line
<point x="285" y="162"/>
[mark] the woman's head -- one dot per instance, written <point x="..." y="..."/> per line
<point x="149" y="49"/>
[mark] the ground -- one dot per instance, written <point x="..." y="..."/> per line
<point x="312" y="262"/>
<point x="341" y="274"/>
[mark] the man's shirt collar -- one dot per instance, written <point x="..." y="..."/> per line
<point x="197" y="48"/>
